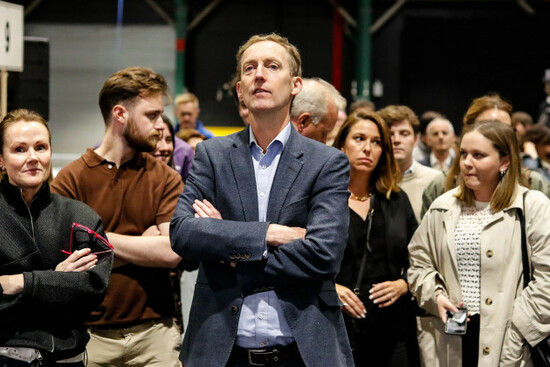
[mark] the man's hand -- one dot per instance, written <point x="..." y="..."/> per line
<point x="78" y="261"/>
<point x="278" y="235"/>
<point x="352" y="304"/>
<point x="12" y="284"/>
<point x="387" y="293"/>
<point x="205" y="209"/>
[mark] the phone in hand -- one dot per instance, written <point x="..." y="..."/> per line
<point x="456" y="322"/>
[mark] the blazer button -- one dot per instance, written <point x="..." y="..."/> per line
<point x="488" y="301"/>
<point x="486" y="351"/>
<point x="489" y="253"/>
<point x="232" y="257"/>
<point x="234" y="310"/>
<point x="247" y="256"/>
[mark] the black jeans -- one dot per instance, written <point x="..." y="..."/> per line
<point x="10" y="362"/>
<point x="470" y="343"/>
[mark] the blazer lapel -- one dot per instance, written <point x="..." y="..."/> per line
<point x="289" y="166"/>
<point x="243" y="172"/>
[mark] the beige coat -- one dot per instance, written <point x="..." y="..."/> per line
<point x="509" y="315"/>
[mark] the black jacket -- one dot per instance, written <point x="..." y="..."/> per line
<point x="49" y="314"/>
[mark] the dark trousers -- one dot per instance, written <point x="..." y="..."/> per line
<point x="470" y="343"/>
<point x="385" y="338"/>
<point x="10" y="362"/>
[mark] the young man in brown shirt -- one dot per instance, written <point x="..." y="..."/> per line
<point x="135" y="195"/>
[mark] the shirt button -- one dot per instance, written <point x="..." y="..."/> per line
<point x="489" y="253"/>
<point x="262" y="194"/>
<point x="264" y="166"/>
<point x="488" y="301"/>
<point x="234" y="310"/>
<point x="261" y="317"/>
<point x="486" y="350"/>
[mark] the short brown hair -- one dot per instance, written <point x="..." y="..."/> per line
<point x="484" y="103"/>
<point x="186" y="134"/>
<point x="385" y="176"/>
<point x="292" y="51"/>
<point x="127" y="84"/>
<point x="20" y="114"/>
<point x="521" y="117"/>
<point x="393" y="114"/>
<point x="504" y="140"/>
<point x="477" y="107"/>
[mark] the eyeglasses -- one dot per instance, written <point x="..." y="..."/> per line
<point x="84" y="237"/>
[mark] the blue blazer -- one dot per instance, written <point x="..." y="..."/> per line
<point x="309" y="190"/>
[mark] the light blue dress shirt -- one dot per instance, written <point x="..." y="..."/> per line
<point x="261" y="322"/>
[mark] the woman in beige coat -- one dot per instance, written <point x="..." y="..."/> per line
<point x="467" y="251"/>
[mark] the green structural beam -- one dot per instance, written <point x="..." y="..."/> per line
<point x="364" y="50"/>
<point x="181" y="40"/>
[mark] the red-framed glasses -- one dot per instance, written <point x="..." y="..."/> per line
<point x="84" y="237"/>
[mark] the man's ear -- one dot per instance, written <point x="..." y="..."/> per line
<point x="239" y="90"/>
<point x="120" y="114"/>
<point x="296" y="85"/>
<point x="302" y="121"/>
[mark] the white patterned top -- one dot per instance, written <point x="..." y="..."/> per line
<point x="468" y="251"/>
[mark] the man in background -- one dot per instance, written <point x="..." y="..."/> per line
<point x="314" y="110"/>
<point x="135" y="195"/>
<point x="187" y="112"/>
<point x="440" y="137"/>
<point x="405" y="128"/>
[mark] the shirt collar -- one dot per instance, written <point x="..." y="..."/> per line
<point x="92" y="159"/>
<point x="409" y="170"/>
<point x="281" y="138"/>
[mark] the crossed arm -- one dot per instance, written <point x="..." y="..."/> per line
<point x="151" y="249"/>
<point x="293" y="257"/>
<point x="276" y="234"/>
<point x="78" y="261"/>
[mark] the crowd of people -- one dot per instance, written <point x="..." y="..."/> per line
<point x="315" y="236"/>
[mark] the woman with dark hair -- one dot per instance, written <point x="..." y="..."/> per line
<point x="165" y="145"/>
<point x="54" y="262"/>
<point x="467" y="252"/>
<point x="372" y="283"/>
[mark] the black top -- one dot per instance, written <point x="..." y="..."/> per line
<point x="49" y="314"/>
<point x="376" y="269"/>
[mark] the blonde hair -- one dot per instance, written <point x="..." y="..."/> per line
<point x="186" y="98"/>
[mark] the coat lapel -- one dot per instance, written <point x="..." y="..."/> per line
<point x="289" y="166"/>
<point x="449" y="225"/>
<point x="243" y="173"/>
